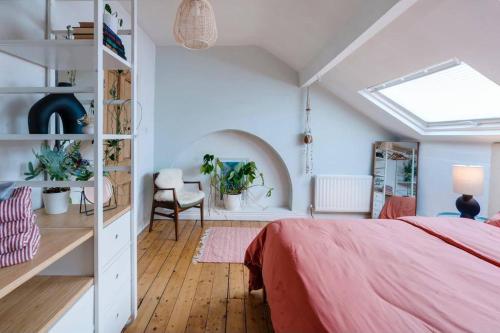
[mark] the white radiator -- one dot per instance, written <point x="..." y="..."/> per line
<point x="346" y="194"/>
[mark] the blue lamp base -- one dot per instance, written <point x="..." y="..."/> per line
<point x="468" y="207"/>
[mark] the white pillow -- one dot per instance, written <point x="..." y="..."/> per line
<point x="170" y="178"/>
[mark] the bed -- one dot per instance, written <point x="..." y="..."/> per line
<point x="412" y="274"/>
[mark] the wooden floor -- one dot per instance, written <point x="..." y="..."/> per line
<point x="177" y="295"/>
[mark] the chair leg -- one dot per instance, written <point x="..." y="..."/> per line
<point x="176" y="221"/>
<point x="201" y="214"/>
<point x="152" y="217"/>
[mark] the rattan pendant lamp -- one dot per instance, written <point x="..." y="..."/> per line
<point x="195" y="26"/>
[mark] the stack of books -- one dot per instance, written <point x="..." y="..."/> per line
<point x="84" y="31"/>
<point x="110" y="39"/>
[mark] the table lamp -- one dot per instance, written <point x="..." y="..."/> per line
<point x="468" y="180"/>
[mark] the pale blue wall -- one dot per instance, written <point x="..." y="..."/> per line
<point x="246" y="88"/>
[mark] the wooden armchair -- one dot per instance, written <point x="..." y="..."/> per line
<point x="169" y="193"/>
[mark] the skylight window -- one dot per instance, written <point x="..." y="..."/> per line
<point x="451" y="93"/>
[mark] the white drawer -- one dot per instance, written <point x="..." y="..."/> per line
<point x="116" y="236"/>
<point x="78" y="319"/>
<point x="115" y="318"/>
<point x="116" y="279"/>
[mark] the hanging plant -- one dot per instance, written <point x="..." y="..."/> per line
<point x="308" y="138"/>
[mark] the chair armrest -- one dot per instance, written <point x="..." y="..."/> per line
<point x="194" y="182"/>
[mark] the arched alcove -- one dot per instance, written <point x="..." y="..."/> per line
<point x="237" y="144"/>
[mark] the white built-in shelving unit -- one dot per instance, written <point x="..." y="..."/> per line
<point x="83" y="278"/>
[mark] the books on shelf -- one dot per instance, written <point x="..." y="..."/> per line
<point x="84" y="36"/>
<point x="86" y="24"/>
<point x="110" y="39"/>
<point x="83" y="31"/>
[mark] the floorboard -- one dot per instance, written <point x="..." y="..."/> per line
<point x="177" y="295"/>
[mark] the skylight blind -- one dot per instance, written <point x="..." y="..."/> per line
<point x="458" y="93"/>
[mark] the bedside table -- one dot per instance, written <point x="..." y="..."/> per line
<point x="481" y="219"/>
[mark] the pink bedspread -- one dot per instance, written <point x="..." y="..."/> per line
<point x="374" y="276"/>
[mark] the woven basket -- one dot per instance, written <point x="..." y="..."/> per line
<point x="195" y="26"/>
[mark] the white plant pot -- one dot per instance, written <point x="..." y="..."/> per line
<point x="56" y="203"/>
<point x="111" y="21"/>
<point x="232" y="202"/>
<point x="89" y="129"/>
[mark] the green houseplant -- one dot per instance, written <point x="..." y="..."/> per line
<point x="111" y="19"/>
<point x="63" y="162"/>
<point x="231" y="183"/>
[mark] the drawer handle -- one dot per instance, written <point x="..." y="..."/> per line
<point x="116" y="276"/>
<point x="116" y="236"/>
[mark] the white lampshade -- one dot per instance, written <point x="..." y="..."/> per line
<point x="468" y="179"/>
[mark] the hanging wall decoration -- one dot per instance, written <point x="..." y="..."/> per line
<point x="195" y="27"/>
<point x="308" y="138"/>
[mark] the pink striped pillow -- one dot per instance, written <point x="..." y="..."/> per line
<point x="17" y="207"/>
<point x="494" y="220"/>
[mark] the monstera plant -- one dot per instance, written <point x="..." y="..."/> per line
<point x="231" y="183"/>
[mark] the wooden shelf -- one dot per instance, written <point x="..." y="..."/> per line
<point x="43" y="137"/>
<point x="54" y="244"/>
<point x="62" y="54"/>
<point x="73" y="218"/>
<point x="39" y="303"/>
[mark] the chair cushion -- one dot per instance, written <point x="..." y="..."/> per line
<point x="184" y="198"/>
<point x="170" y="178"/>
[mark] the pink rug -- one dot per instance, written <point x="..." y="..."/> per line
<point x="225" y="244"/>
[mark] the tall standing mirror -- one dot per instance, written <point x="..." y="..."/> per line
<point x="395" y="168"/>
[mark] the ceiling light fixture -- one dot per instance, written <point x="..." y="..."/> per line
<point x="195" y="27"/>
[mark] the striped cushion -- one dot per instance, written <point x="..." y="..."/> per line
<point x="16" y="227"/>
<point x="17" y="207"/>
<point x="24" y="254"/>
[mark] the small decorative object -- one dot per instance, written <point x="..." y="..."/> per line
<point x="195" y="27"/>
<point x="308" y="138"/>
<point x="111" y="19"/>
<point x="66" y="106"/>
<point x="69" y="32"/>
<point x="61" y="163"/>
<point x="87" y="197"/>
<point x="469" y="181"/>
<point x="231" y="179"/>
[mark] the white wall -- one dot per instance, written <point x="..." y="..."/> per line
<point x="494" y="205"/>
<point x="435" y="187"/>
<point x="246" y="88"/>
<point x="26" y="20"/>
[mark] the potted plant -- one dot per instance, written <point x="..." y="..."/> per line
<point x="231" y="184"/>
<point x="61" y="163"/>
<point x="111" y="19"/>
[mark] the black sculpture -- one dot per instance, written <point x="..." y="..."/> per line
<point x="66" y="106"/>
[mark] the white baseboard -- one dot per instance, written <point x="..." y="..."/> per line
<point x="270" y="214"/>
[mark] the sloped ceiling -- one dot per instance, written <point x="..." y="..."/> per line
<point x="309" y="35"/>
<point x="295" y="31"/>
<point x="428" y="33"/>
